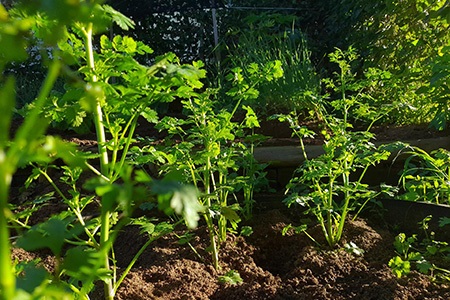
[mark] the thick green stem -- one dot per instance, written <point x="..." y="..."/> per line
<point x="132" y="127"/>
<point x="212" y="239"/>
<point x="329" y="230"/>
<point x="104" y="246"/>
<point x="344" y="213"/>
<point x="104" y="161"/>
<point x="98" y="113"/>
<point x="208" y="217"/>
<point x="29" y="131"/>
<point x="222" y="224"/>
<point x="7" y="278"/>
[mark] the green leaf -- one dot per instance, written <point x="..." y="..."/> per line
<point x="399" y="267"/>
<point x="424" y="266"/>
<point x="439" y="121"/>
<point x="414" y="256"/>
<point x="251" y="120"/>
<point x="246" y="231"/>
<point x="56" y="147"/>
<point x="85" y="264"/>
<point x="231" y="277"/>
<point x="184" y="202"/>
<point x="13" y="40"/>
<point x="443" y="221"/>
<point x="230" y="214"/>
<point x="180" y="198"/>
<point x="186" y="238"/>
<point x="117" y="17"/>
<point x="109" y="193"/>
<point x="150" y="115"/>
<point x="31" y="277"/>
<point x="7" y="101"/>
<point x="51" y="234"/>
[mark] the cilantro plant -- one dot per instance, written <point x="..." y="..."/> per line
<point x="427" y="256"/>
<point x="331" y="185"/>
<point x="116" y="90"/>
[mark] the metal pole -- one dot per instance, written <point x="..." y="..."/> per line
<point x="216" y="33"/>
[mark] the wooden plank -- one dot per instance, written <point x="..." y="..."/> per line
<point x="288" y="156"/>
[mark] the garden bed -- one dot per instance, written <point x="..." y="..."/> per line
<point x="272" y="266"/>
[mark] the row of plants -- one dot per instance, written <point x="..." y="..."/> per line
<point x="106" y="84"/>
<point x="205" y="167"/>
<point x="107" y="88"/>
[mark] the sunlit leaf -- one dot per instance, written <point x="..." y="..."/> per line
<point x="121" y="20"/>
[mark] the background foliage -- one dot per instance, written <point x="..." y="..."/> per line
<point x="407" y="40"/>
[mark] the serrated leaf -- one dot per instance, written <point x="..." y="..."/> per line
<point x="424" y="266"/>
<point x="182" y="199"/>
<point x="443" y="221"/>
<point x="246" y="231"/>
<point x="31" y="277"/>
<point x="117" y="17"/>
<point x="150" y="115"/>
<point x="85" y="264"/>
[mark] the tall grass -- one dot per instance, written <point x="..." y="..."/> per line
<point x="265" y="40"/>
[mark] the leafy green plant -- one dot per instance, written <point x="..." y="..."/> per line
<point x="440" y="86"/>
<point x="115" y="107"/>
<point x="208" y="153"/>
<point x="426" y="176"/>
<point x="425" y="256"/>
<point x="404" y="38"/>
<point x="28" y="143"/>
<point x="331" y="185"/>
<point x="231" y="277"/>
<point x="112" y="87"/>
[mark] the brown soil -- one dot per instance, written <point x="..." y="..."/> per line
<point x="271" y="265"/>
